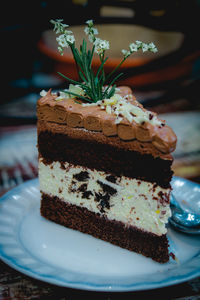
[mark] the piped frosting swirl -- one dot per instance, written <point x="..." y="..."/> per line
<point x="122" y="115"/>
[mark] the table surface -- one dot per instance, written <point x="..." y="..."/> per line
<point x="17" y="166"/>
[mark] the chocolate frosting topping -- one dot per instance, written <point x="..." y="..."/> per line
<point x="93" y="118"/>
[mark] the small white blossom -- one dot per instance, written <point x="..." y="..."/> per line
<point x="59" y="27"/>
<point x="145" y="47"/>
<point x="95" y="31"/>
<point x="101" y="45"/>
<point x="91" y="38"/>
<point x="90" y="31"/>
<point x="126" y="53"/>
<point x="60" y="49"/>
<point x="66" y="37"/>
<point x="133" y="47"/>
<point x="138" y="43"/>
<point x="62" y="41"/>
<point x="70" y="39"/>
<point x="153" y="48"/>
<point x="89" y="23"/>
<point x="87" y="30"/>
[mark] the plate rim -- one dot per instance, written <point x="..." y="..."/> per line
<point x="89" y="286"/>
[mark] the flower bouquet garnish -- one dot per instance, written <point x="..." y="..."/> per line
<point x="92" y="87"/>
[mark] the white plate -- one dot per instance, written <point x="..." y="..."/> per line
<point x="52" y="253"/>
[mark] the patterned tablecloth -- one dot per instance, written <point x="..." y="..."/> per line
<point x="18" y="163"/>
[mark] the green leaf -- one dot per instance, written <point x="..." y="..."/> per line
<point x="101" y="67"/>
<point x="82" y="76"/>
<point x="78" y="58"/>
<point x="71" y="80"/>
<point x="91" y="57"/>
<point x="105" y="94"/>
<point x="84" y="46"/>
<point x="100" y="95"/>
<point x="115" y="69"/>
<point x="93" y="88"/>
<point x="116" y="77"/>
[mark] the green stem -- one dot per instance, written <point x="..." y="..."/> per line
<point x="101" y="56"/>
<point x="85" y="64"/>
<point x="91" y="57"/>
<point x="71" y="80"/>
<point x="73" y="49"/>
<point x="110" y="84"/>
<point x="100" y="69"/>
<point x="116" y="68"/>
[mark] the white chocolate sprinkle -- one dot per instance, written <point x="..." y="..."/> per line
<point x="43" y="93"/>
<point x="122" y="108"/>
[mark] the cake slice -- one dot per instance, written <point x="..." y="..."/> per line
<point x="105" y="170"/>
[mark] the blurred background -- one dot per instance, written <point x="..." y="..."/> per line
<point x="167" y="82"/>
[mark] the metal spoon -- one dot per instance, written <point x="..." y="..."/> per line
<point x="182" y="220"/>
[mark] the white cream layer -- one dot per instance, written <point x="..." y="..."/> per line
<point x="135" y="202"/>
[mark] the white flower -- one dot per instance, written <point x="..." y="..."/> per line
<point x="95" y="31"/>
<point x="70" y="39"/>
<point x="145" y="47"/>
<point x="60" y="49"/>
<point x="64" y="40"/>
<point x="91" y="31"/>
<point x="68" y="32"/>
<point x="126" y="53"/>
<point x="104" y="44"/>
<point x="133" y="47"/>
<point x="59" y="27"/>
<point x="101" y="45"/>
<point x="138" y="43"/>
<point x="87" y="30"/>
<point x="91" y="38"/>
<point x="153" y="48"/>
<point x="152" y="45"/>
<point x="66" y="37"/>
<point x="89" y="23"/>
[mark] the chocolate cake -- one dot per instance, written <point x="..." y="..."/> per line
<point x="105" y="170"/>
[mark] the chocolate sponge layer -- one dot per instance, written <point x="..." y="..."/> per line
<point x="115" y="232"/>
<point x="104" y="157"/>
